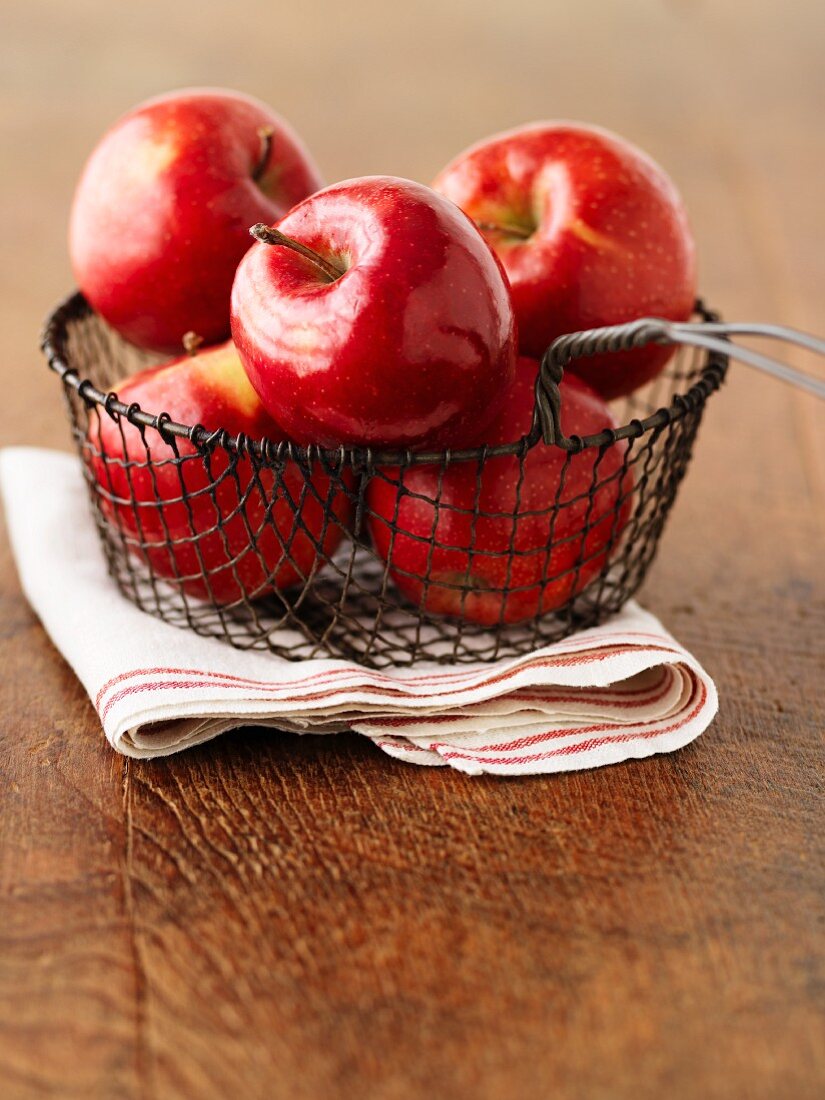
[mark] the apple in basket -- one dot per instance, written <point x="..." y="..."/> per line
<point x="375" y="314"/>
<point x="276" y="526"/>
<point x="488" y="546"/>
<point x="161" y="212"/>
<point x="590" y="231"/>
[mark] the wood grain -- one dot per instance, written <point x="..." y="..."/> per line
<point x="278" y="917"/>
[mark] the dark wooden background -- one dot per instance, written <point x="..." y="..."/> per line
<point x="273" y="917"/>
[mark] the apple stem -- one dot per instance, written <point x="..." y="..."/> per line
<point x="265" y="134"/>
<point x="267" y="235"/>
<point x="191" y="343"/>
<point x="521" y="231"/>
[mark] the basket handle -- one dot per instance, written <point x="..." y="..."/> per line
<point x="710" y="335"/>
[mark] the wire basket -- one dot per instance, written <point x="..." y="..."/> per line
<point x="385" y="558"/>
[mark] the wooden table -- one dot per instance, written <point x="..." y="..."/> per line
<point x="275" y="917"/>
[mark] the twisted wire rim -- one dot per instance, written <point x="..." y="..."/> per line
<point x="546" y="417"/>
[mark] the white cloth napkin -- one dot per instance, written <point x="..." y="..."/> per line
<point x="624" y="689"/>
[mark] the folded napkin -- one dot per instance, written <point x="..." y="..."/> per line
<point x="624" y="689"/>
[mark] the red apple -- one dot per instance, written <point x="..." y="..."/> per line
<point x="376" y="315"/>
<point x="210" y="389"/>
<point x="590" y="232"/>
<point x="497" y="553"/>
<point x="162" y="210"/>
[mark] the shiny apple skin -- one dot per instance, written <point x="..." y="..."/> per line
<point x="413" y="346"/>
<point x="210" y="389"/>
<point x="486" y="589"/>
<point x="609" y="242"/>
<point x="161" y="214"/>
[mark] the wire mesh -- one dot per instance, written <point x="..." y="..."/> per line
<point x="385" y="558"/>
